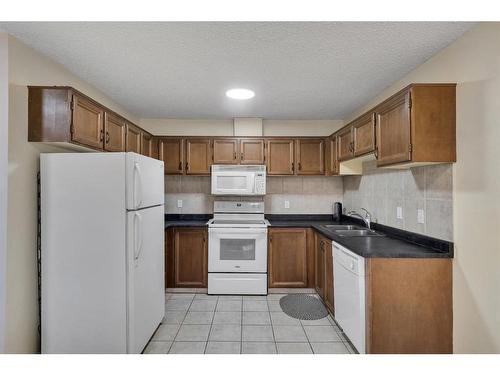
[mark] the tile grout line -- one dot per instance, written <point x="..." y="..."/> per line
<point x="272" y="326"/>
<point x="211" y="325"/>
<point x="180" y="325"/>
<point x="241" y="329"/>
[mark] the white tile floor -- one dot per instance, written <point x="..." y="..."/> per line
<point x="199" y="323"/>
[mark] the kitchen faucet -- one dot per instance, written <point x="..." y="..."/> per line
<point x="366" y="219"/>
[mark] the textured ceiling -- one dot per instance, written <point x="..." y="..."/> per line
<point x="297" y="70"/>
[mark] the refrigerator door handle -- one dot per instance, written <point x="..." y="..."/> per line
<point x="138" y="235"/>
<point x="137" y="178"/>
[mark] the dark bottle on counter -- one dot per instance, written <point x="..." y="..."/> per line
<point x="337" y="211"/>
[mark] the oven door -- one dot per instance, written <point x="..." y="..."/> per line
<point x="237" y="250"/>
<point x="233" y="183"/>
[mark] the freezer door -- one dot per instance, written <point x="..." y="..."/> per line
<point x="144" y="181"/>
<point x="145" y="278"/>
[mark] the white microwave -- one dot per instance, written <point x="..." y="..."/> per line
<point x="238" y="179"/>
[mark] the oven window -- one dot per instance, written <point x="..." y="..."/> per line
<point x="231" y="182"/>
<point x="237" y="249"/>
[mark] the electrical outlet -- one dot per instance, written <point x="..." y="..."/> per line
<point x="420" y="216"/>
<point x="399" y="212"/>
<point x="287" y="204"/>
<point x="179" y="203"/>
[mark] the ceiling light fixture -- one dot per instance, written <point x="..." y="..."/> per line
<point x="240" y="94"/>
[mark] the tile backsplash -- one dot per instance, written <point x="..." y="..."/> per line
<point x="382" y="191"/>
<point x="305" y="195"/>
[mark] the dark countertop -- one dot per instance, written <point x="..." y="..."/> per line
<point x="395" y="244"/>
<point x="186" y="220"/>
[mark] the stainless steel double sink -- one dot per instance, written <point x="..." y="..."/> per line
<point x="351" y="231"/>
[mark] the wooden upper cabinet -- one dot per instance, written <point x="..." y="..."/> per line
<point x="146" y="144"/>
<point x="331" y="160"/>
<point x="345" y="144"/>
<point x="115" y="130"/>
<point x="172" y="154"/>
<point x="287" y="258"/>
<point x="417" y="126"/>
<point x="252" y="151"/>
<point x="155" y="148"/>
<point x="87" y="122"/>
<point x="225" y="151"/>
<point x="190" y="257"/>
<point x="198" y="156"/>
<point x="364" y="134"/>
<point x="394" y="130"/>
<point x="280" y="157"/>
<point x="133" y="139"/>
<point x="310" y="156"/>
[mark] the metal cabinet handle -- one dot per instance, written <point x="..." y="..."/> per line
<point x="187" y="166"/>
<point x="101" y="135"/>
<point x="293" y="167"/>
<point x="180" y="165"/>
<point x="234" y="154"/>
<point x="376" y="153"/>
<point x="107" y="137"/>
<point x="300" y="166"/>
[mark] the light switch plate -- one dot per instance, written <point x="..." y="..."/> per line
<point x="179" y="203"/>
<point x="399" y="212"/>
<point x="420" y="216"/>
<point x="287" y="204"/>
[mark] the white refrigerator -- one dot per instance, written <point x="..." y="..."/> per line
<point x="102" y="252"/>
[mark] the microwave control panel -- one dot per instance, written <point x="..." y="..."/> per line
<point x="260" y="183"/>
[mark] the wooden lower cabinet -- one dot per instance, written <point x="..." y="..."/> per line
<point x="287" y="256"/>
<point x="409" y="305"/>
<point x="291" y="258"/>
<point x="186" y="257"/>
<point x="323" y="260"/>
<point x="328" y="267"/>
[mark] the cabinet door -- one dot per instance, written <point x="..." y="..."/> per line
<point x="331" y="161"/>
<point x="310" y="157"/>
<point x="364" y="134"/>
<point x="393" y="130"/>
<point x="169" y="257"/>
<point x="252" y="151"/>
<point x="87" y="123"/>
<point x="133" y="139"/>
<point x="172" y="154"/>
<point x="328" y="275"/>
<point x="155" y="150"/>
<point x="345" y="144"/>
<point x="146" y="143"/>
<point x="198" y="156"/>
<point x="190" y="257"/>
<point x="280" y="157"/>
<point x="225" y="151"/>
<point x="287" y="258"/>
<point x="320" y="267"/>
<point x="115" y="130"/>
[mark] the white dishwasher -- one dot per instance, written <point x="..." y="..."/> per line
<point x="349" y="294"/>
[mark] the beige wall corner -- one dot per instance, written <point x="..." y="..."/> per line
<point x="27" y="67"/>
<point x="473" y="63"/>
<point x="4" y="108"/>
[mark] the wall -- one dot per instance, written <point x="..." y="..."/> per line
<point x="4" y="106"/>
<point x="225" y="127"/>
<point x="305" y="194"/>
<point x="381" y="191"/>
<point x="27" y="67"/>
<point x="473" y="61"/>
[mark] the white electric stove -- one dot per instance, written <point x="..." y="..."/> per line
<point x="237" y="248"/>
